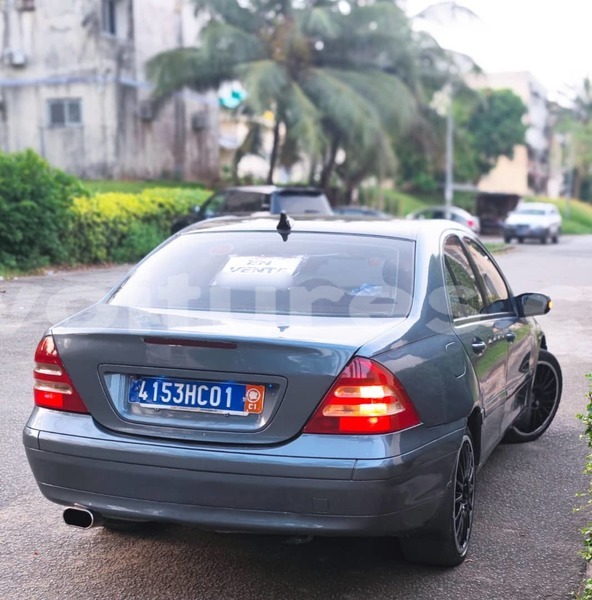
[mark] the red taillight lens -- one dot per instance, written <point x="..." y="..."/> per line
<point x="53" y="387"/>
<point x="366" y="398"/>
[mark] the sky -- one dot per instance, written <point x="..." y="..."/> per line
<point x="551" y="39"/>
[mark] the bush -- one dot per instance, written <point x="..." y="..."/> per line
<point x="35" y="217"/>
<point x="116" y="227"/>
<point x="586" y="418"/>
<point x="391" y="201"/>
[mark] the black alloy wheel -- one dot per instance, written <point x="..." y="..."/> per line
<point x="464" y="496"/>
<point x="446" y="540"/>
<point x="543" y="402"/>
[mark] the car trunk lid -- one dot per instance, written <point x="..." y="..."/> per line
<point x="124" y="361"/>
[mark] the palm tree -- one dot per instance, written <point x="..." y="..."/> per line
<point x="337" y="76"/>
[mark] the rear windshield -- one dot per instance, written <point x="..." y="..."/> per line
<point x="302" y="204"/>
<point x="314" y="274"/>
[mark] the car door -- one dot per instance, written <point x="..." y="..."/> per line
<point x="482" y="335"/>
<point x="517" y="330"/>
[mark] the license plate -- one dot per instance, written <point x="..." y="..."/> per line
<point x="202" y="396"/>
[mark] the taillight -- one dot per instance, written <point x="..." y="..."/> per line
<point x="366" y="398"/>
<point x="53" y="387"/>
<point x="470" y="223"/>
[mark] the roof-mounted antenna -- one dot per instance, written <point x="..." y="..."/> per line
<point x="284" y="227"/>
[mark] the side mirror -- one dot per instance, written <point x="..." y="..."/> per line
<point x="534" y="305"/>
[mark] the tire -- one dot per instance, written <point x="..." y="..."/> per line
<point x="555" y="237"/>
<point x="545" y="237"/>
<point x="545" y="396"/>
<point x="521" y="240"/>
<point x="447" y="543"/>
<point x="507" y="239"/>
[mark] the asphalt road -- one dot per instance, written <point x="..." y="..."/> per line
<point x="526" y="538"/>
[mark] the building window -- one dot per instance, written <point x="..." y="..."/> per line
<point x="110" y="16"/>
<point x="65" y="112"/>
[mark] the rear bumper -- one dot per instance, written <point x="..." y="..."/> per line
<point x="267" y="490"/>
<point x="531" y="231"/>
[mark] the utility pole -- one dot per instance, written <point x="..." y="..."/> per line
<point x="570" y="169"/>
<point x="449" y="183"/>
<point x="442" y="104"/>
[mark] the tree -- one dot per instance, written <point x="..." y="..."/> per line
<point x="496" y="127"/>
<point x="574" y="122"/>
<point x="336" y="75"/>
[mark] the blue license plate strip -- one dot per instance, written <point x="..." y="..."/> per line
<point x="201" y="396"/>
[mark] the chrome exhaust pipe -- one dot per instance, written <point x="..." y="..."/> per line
<point x="80" y="517"/>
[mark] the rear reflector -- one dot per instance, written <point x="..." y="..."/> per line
<point x="366" y="398"/>
<point x="53" y="387"/>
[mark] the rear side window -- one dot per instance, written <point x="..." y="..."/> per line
<point x="302" y="204"/>
<point x="498" y="297"/>
<point x="461" y="284"/>
<point x="314" y="274"/>
<point x="245" y="202"/>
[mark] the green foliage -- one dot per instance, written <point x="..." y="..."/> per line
<point x="586" y="418"/>
<point x="391" y="201"/>
<point x="35" y="218"/>
<point x="487" y="126"/>
<point x="119" y="227"/>
<point x="339" y="82"/>
<point x="575" y="124"/>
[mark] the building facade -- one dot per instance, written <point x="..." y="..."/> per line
<point x="528" y="171"/>
<point x="73" y="88"/>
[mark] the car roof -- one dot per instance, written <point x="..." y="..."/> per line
<point x="456" y="209"/>
<point x="537" y="205"/>
<point x="396" y="228"/>
<point x="270" y="189"/>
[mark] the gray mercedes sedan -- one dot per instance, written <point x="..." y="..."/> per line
<point x="311" y="377"/>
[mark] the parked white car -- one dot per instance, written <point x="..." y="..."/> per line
<point x="456" y="214"/>
<point x="538" y="220"/>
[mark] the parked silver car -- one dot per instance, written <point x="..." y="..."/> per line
<point x="454" y="213"/>
<point x="258" y="200"/>
<point x="317" y="377"/>
<point x="534" y="220"/>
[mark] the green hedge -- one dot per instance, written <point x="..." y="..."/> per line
<point x="35" y="211"/>
<point x="394" y="202"/>
<point x="586" y="591"/>
<point x="116" y="227"/>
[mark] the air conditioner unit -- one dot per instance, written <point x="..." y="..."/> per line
<point x="25" y="5"/>
<point x="146" y="111"/>
<point x="16" y="58"/>
<point x="199" y="121"/>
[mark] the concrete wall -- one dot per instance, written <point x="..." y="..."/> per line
<point x="69" y="55"/>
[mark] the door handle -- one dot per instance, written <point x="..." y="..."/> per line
<point x="479" y="346"/>
<point x="510" y="336"/>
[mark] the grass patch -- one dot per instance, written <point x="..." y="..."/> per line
<point x="496" y="248"/>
